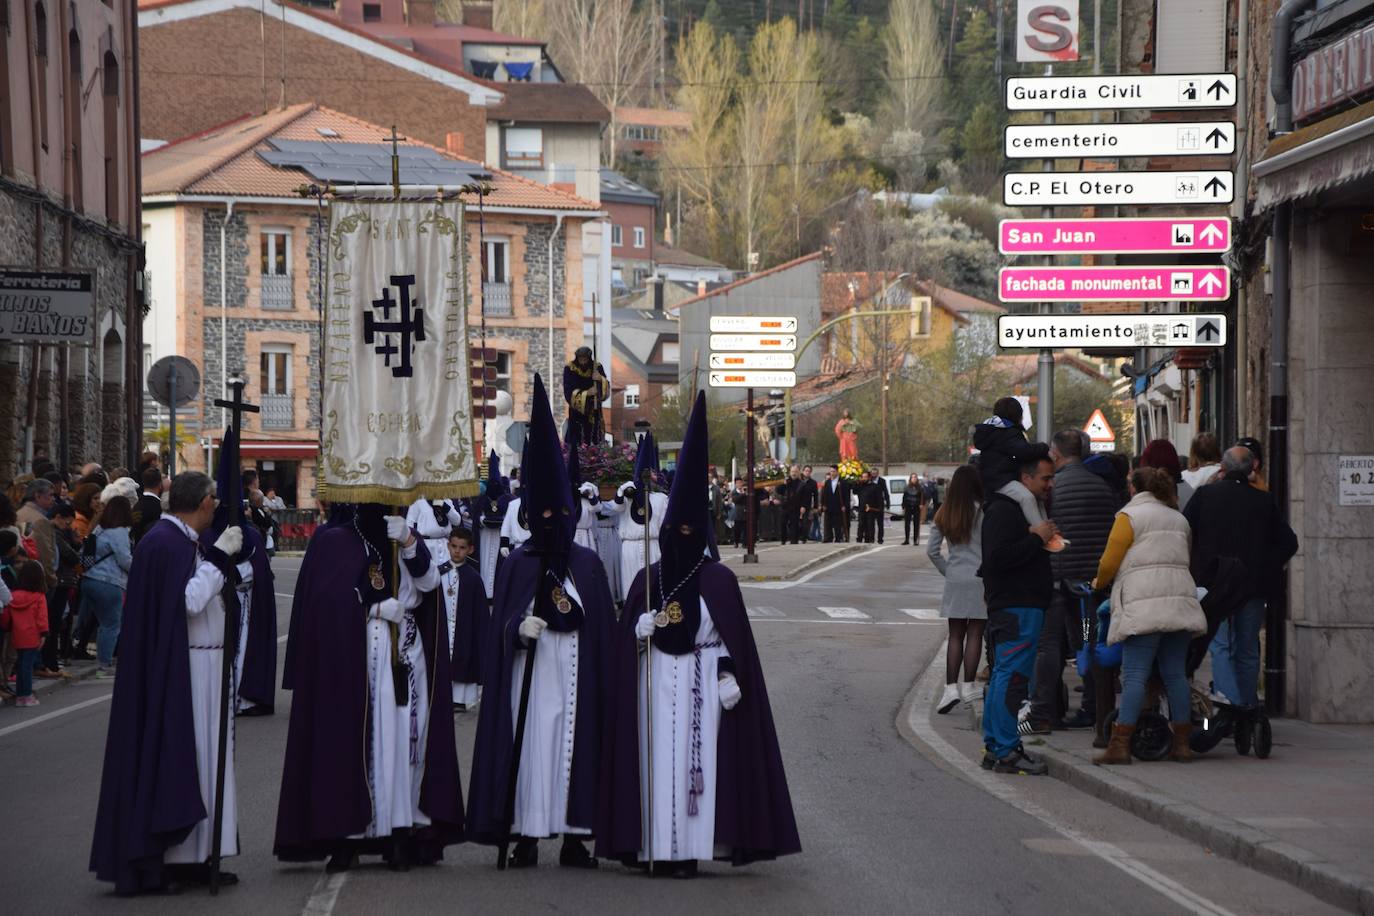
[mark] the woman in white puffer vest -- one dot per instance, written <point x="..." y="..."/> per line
<point x="1155" y="610"/>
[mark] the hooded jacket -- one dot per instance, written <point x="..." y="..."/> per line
<point x="27" y="619"/>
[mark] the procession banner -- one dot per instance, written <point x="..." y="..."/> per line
<point x="397" y="412"/>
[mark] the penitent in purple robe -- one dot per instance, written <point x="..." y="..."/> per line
<point x="325" y="796"/>
<point x="753" y="810"/>
<point x="150" y="797"/>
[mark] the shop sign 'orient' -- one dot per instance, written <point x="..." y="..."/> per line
<point x="1147" y="235"/>
<point x="1334" y="75"/>
<point x="1154" y="91"/>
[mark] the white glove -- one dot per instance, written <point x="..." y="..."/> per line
<point x="505" y="552"/>
<point x="588" y="490"/>
<point x="231" y="541"/>
<point x="397" y="529"/>
<point x="729" y="692"/>
<point x="624" y="487"/>
<point x="389" y="610"/>
<point x="531" y="627"/>
<point x="644" y="626"/>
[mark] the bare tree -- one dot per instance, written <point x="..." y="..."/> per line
<point x="912" y="67"/>
<point x="527" y="18"/>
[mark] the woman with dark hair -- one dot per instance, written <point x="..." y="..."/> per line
<point x="86" y="501"/>
<point x="108" y="557"/>
<point x="1160" y="454"/>
<point x="913" y="502"/>
<point x="960" y="522"/>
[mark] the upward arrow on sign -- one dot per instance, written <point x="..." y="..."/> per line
<point x="1211" y="233"/>
<point x="1210" y="283"/>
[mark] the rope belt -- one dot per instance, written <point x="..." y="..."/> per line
<point x="208" y="648"/>
<point x="696" y="779"/>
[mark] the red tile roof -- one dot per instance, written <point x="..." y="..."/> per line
<point x="224" y="161"/>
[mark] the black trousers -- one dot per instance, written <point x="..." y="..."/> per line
<point x="911" y="520"/>
<point x="836" y="527"/>
<point x="865" y="527"/>
<point x="792" y="528"/>
<point x="58" y="600"/>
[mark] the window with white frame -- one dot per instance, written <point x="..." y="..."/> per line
<point x="617" y="235"/>
<point x="275" y="250"/>
<point x="498" y="260"/>
<point x="631" y="396"/>
<point x="275" y="369"/>
<point x="524" y="147"/>
<point x="503" y="364"/>
<point x="639" y="236"/>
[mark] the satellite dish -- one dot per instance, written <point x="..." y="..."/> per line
<point x="174" y="377"/>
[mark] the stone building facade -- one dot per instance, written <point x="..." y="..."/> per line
<point x="68" y="203"/>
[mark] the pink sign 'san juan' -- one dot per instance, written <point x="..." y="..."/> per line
<point x="1108" y="236"/>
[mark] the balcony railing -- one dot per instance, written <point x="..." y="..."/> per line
<point x="496" y="300"/>
<point x="277" y="293"/>
<point x="278" y="411"/>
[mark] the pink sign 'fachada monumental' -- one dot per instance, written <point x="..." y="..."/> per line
<point x="1113" y="284"/>
<point x="1115" y="236"/>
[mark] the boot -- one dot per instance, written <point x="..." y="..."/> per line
<point x="1181" y="751"/>
<point x="1118" y="748"/>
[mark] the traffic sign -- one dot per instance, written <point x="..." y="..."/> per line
<point x="1101" y="436"/>
<point x="173" y="381"/>
<point x="1058" y="189"/>
<point x="751" y="379"/>
<point x="753" y="324"/>
<point x="1113" y="284"/>
<point x="754" y="342"/>
<point x="753" y="361"/>
<point x="1038" y="332"/>
<point x="1041" y="141"/>
<point x="1080" y="93"/>
<point x="1115" y="236"/>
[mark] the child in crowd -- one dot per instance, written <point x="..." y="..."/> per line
<point x="26" y="619"/>
<point x="1002" y="450"/>
<point x="9" y="554"/>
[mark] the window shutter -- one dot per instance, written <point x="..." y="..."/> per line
<point x="1190" y="36"/>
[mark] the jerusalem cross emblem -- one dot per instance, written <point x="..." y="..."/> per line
<point x="409" y="326"/>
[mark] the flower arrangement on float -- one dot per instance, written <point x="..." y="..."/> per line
<point x="768" y="473"/>
<point x="852" y="469"/>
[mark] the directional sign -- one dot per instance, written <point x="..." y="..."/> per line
<point x="1115" y="236"/>
<point x="1041" y="141"/>
<point x="1113" y="284"/>
<point x="1038" y="332"/>
<point x="751" y="379"/>
<point x="1057" y="189"/>
<point x="752" y="324"/>
<point x="779" y="342"/>
<point x="753" y="361"/>
<point x="1063" y="93"/>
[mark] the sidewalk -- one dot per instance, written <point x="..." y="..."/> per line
<point x="44" y="687"/>
<point x="785" y="561"/>
<point x="1305" y="815"/>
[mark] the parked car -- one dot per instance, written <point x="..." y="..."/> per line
<point x="896" y="486"/>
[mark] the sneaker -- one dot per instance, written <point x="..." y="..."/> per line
<point x="1029" y="726"/>
<point x="1019" y="763"/>
<point x="104" y="674"/>
<point x="1080" y="719"/>
<point x="971" y="691"/>
<point x="26" y="701"/>
<point x="989" y="760"/>
<point x="949" y="699"/>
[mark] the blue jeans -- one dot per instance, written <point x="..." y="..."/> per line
<point x="1015" y="631"/>
<point x="1138" y="657"/>
<point x="106" y="602"/>
<point x="1235" y="654"/>
<point x="23" y="679"/>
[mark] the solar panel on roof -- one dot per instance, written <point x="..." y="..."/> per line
<point x="369" y="163"/>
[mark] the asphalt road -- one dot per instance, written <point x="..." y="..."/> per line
<point x="891" y="820"/>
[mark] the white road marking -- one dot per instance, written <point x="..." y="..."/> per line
<point x="1003" y="787"/>
<point x="921" y="613"/>
<point x="325" y="895"/>
<point x="851" y="623"/>
<point x="764" y="611"/>
<point x="49" y="716"/>
<point x="816" y="572"/>
<point x="844" y="613"/>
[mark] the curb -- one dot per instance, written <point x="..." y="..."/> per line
<point x="1250" y="846"/>
<point x="85" y="672"/>
<point x="807" y="566"/>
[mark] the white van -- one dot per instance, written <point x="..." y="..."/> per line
<point x="896" y="486"/>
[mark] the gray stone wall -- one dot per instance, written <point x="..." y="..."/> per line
<point x="95" y="419"/>
<point x="537" y="269"/>
<point x="237" y="358"/>
<point x="235" y="254"/>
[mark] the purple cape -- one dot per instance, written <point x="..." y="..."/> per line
<point x="259" y="684"/>
<point x="324" y="790"/>
<point x="149" y="791"/>
<point x="472" y="620"/>
<point x="491" y="756"/>
<point x="754" y="817"/>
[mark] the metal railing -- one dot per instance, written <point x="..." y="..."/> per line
<point x="496" y="300"/>
<point x="278" y="411"/>
<point x="277" y="292"/>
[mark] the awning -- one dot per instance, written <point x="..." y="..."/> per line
<point x="276" y="449"/>
<point x="1319" y="156"/>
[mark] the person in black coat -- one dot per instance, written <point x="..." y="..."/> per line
<point x="740" y="497"/>
<point x="1017" y="585"/>
<point x="834" y="497"/>
<point x="794" y="503"/>
<point x="913" y="498"/>
<point x="1232" y="518"/>
<point x="148" y="509"/>
<point x="1002" y="446"/>
<point x="873" y="501"/>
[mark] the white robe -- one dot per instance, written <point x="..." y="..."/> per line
<point x="679" y="835"/>
<point x="632" y="538"/>
<point x="585" y="535"/>
<point x="467" y="694"/>
<point x="607" y="537"/>
<point x="245" y="590"/>
<point x="488" y="546"/>
<point x="205" y="635"/>
<point x="546" y="757"/>
<point x="511" y="529"/>
<point x="397" y="749"/>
